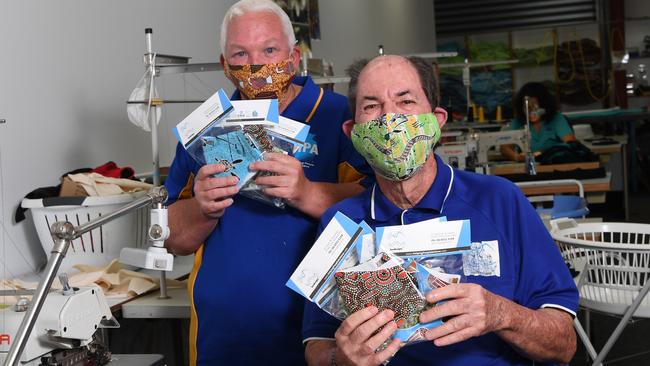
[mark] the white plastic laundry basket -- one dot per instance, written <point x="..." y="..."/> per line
<point x="100" y="245"/>
<point x="613" y="260"/>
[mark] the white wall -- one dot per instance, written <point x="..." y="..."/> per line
<point x="354" y="29"/>
<point x="68" y="66"/>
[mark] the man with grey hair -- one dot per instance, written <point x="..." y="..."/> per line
<point x="241" y="311"/>
<point x="515" y="309"/>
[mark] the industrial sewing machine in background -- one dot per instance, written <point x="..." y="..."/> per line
<point x="472" y="150"/>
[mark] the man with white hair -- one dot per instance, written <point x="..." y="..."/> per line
<point x="521" y="314"/>
<point x="245" y="250"/>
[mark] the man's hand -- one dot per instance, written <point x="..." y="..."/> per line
<point x="474" y="311"/>
<point x="522" y="155"/>
<point x="289" y="181"/>
<point x="357" y="342"/>
<point x="213" y="194"/>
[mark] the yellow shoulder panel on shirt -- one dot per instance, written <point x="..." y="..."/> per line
<point x="313" y="110"/>
<point x="348" y="174"/>
<point x="194" y="319"/>
<point x="186" y="192"/>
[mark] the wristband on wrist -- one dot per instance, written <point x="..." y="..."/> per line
<point x="333" y="357"/>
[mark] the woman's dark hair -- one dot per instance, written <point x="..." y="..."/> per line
<point x="539" y="91"/>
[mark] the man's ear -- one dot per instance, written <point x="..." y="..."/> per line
<point x="347" y="127"/>
<point x="222" y="60"/>
<point x="441" y="116"/>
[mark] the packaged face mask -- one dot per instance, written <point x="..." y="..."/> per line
<point x="386" y="287"/>
<point x="234" y="150"/>
<point x="263" y="143"/>
<point x="436" y="272"/>
<point x="397" y="145"/>
<point x="336" y="277"/>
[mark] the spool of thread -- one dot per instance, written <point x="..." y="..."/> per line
<point x="481" y="114"/>
<point x="499" y="114"/>
<point x="474" y="112"/>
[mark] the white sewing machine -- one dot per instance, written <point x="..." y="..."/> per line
<point x="67" y="320"/>
<point x="456" y="154"/>
<point x="487" y="140"/>
<point x="64" y="333"/>
<point x="472" y="150"/>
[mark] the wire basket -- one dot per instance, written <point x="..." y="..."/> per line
<point x="99" y="246"/>
<point x="613" y="261"/>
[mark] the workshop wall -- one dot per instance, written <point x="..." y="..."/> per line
<point x="637" y="27"/>
<point x="69" y="66"/>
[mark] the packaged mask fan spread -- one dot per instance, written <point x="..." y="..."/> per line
<point x="237" y="134"/>
<point x="350" y="267"/>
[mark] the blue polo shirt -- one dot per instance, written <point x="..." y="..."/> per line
<point x="242" y="313"/>
<point x="533" y="273"/>
<point x="550" y="134"/>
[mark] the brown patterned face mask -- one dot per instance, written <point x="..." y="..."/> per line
<point x="389" y="288"/>
<point x="269" y="81"/>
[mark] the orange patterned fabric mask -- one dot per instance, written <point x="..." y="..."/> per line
<point x="268" y="81"/>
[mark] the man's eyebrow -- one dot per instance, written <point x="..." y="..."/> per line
<point x="268" y="42"/>
<point x="369" y="97"/>
<point x="403" y="93"/>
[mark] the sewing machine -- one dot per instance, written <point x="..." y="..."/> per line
<point x="488" y="140"/>
<point x="458" y="154"/>
<point x="64" y="333"/>
<point x="471" y="150"/>
<point x="68" y="319"/>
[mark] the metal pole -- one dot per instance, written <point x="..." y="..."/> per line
<point x="148" y="32"/>
<point x="467" y="81"/>
<point x="163" y="286"/>
<point x="530" y="158"/>
<point x="621" y="325"/>
<point x="63" y="233"/>
<point x="584" y="338"/>
<point x="154" y="195"/>
<point x="154" y="145"/>
<point x="163" y="274"/>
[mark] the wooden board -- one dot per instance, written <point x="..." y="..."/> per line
<point x="520" y="168"/>
<point x="590" y="185"/>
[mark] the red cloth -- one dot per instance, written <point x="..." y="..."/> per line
<point x="110" y="169"/>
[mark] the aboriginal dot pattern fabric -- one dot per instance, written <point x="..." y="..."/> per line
<point x="386" y="288"/>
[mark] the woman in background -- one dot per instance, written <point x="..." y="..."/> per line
<point x="548" y="127"/>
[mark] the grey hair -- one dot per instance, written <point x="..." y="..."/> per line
<point x="425" y="70"/>
<point x="256" y="6"/>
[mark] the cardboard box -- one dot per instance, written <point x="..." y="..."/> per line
<point x="71" y="189"/>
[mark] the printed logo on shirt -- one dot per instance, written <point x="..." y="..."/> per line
<point x="307" y="152"/>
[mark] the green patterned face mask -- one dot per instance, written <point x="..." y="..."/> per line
<point x="397" y="145"/>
